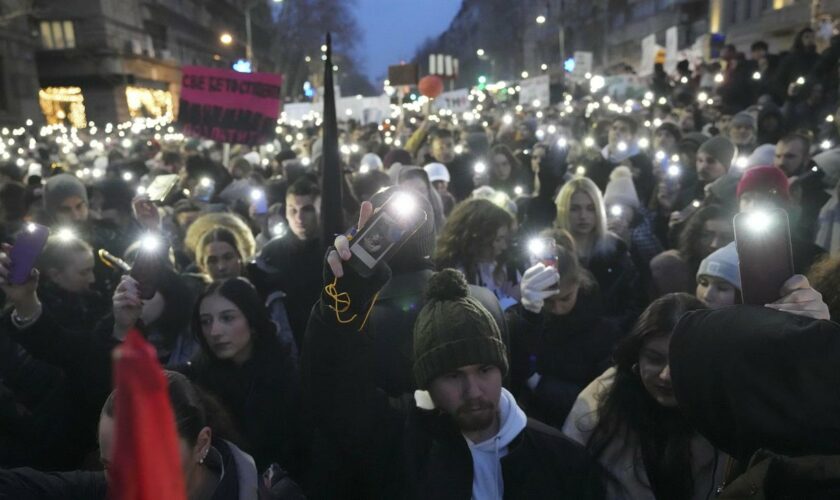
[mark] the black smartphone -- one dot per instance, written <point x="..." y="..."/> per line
<point x="28" y="246"/>
<point x="765" y="255"/>
<point x="397" y="219"/>
<point x="148" y="265"/>
<point x="161" y="187"/>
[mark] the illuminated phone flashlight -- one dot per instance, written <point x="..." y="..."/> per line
<point x="742" y="162"/>
<point x="205" y="182"/>
<point x="644" y="143"/>
<point x="65" y="234"/>
<point x="616" y="210"/>
<point x="829" y="118"/>
<point x="684" y="79"/>
<point x="480" y="167"/>
<point x="800" y="80"/>
<point x="675" y="158"/>
<point x="518" y="190"/>
<point x="354" y="148"/>
<point x="759" y="221"/>
<point x="305" y="161"/>
<point x="657" y="122"/>
<point x="141" y="190"/>
<point x="588" y="142"/>
<point x="150" y="243"/>
<point x="702" y="96"/>
<point x="537" y="246"/>
<point x="507" y="119"/>
<point x="404" y="204"/>
<point x="674" y="171"/>
<point x="581" y="170"/>
<point x="695" y="203"/>
<point x="279" y="229"/>
<point x="128" y="176"/>
<point x="562" y="143"/>
<point x="257" y="195"/>
<point x="540" y="134"/>
<point x="663" y="101"/>
<point x="660" y="155"/>
<point x="552" y="129"/>
<point x="622" y="146"/>
<point x="826" y="144"/>
<point x="719" y="78"/>
<point x="364" y="169"/>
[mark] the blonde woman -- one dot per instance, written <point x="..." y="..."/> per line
<point x="581" y="212"/>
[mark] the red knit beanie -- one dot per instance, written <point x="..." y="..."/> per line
<point x="767" y="179"/>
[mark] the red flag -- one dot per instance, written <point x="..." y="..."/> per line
<point x="147" y="463"/>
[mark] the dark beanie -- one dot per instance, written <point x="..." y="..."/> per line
<point x="719" y="148"/>
<point x="400" y="156"/>
<point x="454" y="330"/>
<point x="766" y="179"/>
<point x="672" y="129"/>
<point x="59" y="188"/>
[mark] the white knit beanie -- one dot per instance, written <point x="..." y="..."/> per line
<point x="620" y="190"/>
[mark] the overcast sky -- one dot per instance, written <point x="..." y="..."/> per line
<point x="393" y="29"/>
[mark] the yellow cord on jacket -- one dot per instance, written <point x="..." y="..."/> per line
<point x="342" y="304"/>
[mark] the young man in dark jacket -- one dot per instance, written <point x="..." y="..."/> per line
<point x="464" y="438"/>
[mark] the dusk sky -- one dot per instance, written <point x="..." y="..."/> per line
<point x="393" y="29"/>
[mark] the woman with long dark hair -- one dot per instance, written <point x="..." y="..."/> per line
<point x="253" y="374"/>
<point x="628" y="419"/>
<point x="475" y="240"/>
<point x="214" y="468"/>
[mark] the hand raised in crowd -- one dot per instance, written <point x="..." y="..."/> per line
<point x="798" y="297"/>
<point x="146" y="213"/>
<point x="127" y="306"/>
<point x="341" y="252"/>
<point x="23" y="297"/>
<point x="535" y="286"/>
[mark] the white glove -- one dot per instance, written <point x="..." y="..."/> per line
<point x="534" y="283"/>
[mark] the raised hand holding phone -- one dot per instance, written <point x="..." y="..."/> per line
<point x="765" y="255"/>
<point x="127" y="306"/>
<point x="23" y="297"/>
<point x="146" y="213"/>
<point x="798" y="297"/>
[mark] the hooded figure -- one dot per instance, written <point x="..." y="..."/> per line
<point x="756" y="383"/>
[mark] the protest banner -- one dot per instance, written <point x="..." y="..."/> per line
<point x="457" y="101"/>
<point x="227" y="106"/>
<point x="536" y="89"/>
<point x="583" y="65"/>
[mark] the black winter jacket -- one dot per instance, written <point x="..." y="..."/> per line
<point x="392" y="449"/>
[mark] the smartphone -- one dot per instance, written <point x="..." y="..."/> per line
<point x="113" y="261"/>
<point x="397" y="219"/>
<point x="147" y="267"/>
<point x="765" y="255"/>
<point x="259" y="201"/>
<point x="543" y="250"/>
<point x="161" y="187"/>
<point x="205" y="189"/>
<point x="28" y="246"/>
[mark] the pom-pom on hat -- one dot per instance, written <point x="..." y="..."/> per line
<point x="620" y="190"/>
<point x="453" y="330"/>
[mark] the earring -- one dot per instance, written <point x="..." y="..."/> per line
<point x="204" y="456"/>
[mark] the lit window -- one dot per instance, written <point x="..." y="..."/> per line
<point x="57" y="35"/>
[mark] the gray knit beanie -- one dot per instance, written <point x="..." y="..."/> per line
<point x="453" y="330"/>
<point x="60" y="187"/>
<point x="719" y="148"/>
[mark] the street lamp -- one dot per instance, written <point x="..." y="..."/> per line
<point x="226" y="38"/>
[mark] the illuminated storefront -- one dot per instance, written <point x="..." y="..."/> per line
<point x="149" y="103"/>
<point x="63" y="105"/>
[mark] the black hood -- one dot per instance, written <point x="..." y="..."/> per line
<point x="751" y="378"/>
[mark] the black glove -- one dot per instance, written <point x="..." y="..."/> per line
<point x="349" y="299"/>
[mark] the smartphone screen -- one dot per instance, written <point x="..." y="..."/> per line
<point x="160" y="188"/>
<point x="147" y="267"/>
<point x="398" y="219"/>
<point x="765" y="256"/>
<point x="28" y="246"/>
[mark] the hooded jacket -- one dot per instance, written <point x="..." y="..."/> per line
<point x="391" y="448"/>
<point x="751" y="378"/>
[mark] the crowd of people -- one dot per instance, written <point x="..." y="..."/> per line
<point x="564" y="323"/>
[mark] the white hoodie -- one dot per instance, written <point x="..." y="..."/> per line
<point x="487" y="455"/>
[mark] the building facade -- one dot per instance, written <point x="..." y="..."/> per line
<point x="18" y="73"/>
<point x="112" y="60"/>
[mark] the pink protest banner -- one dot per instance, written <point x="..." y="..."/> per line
<point x="227" y="106"/>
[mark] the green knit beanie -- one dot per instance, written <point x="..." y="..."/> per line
<point x="453" y="330"/>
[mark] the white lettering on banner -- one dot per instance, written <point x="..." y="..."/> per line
<point x="649" y="49"/>
<point x="365" y="110"/>
<point x="671" y="48"/>
<point x="535" y="89"/>
<point x="457" y="101"/>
